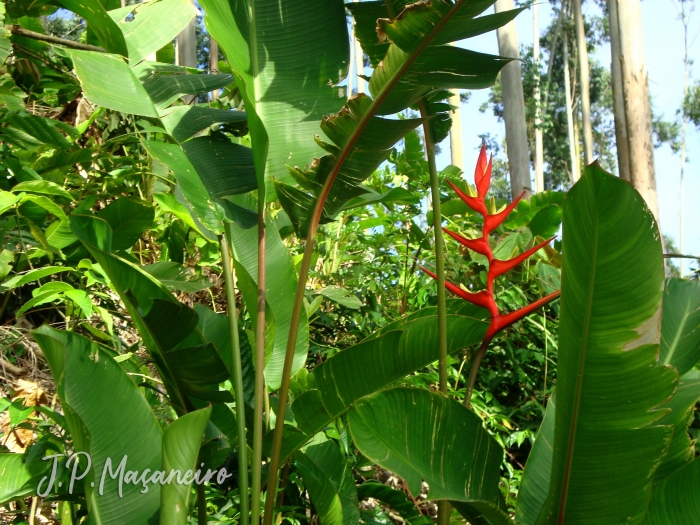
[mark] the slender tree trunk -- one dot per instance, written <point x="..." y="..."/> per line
<point x="513" y="106"/>
<point x="213" y="62"/>
<point x="623" y="154"/>
<point x="456" y="144"/>
<point x="539" y="149"/>
<point x="187" y="50"/>
<point x="584" y="73"/>
<point x="573" y="158"/>
<point x="552" y="51"/>
<point x="635" y="88"/>
<point x="684" y="16"/>
<point x="359" y="64"/>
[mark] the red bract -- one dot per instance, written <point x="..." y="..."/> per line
<point x="486" y="298"/>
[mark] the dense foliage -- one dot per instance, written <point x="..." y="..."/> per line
<point x="138" y="198"/>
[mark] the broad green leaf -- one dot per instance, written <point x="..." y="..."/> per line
<point x="41" y="130"/>
<point x="535" y="482"/>
<point x="184" y="121"/>
<point x="170" y="203"/>
<point x="107" y="81"/>
<point x="19" y="413"/>
<point x="225" y="168"/>
<point x="44" y="187"/>
<point x="676" y="500"/>
<point x="541" y="214"/>
<point x="176" y="277"/>
<point x="99" y="22"/>
<point x="680" y="326"/>
<point x="406" y="346"/>
<point x="33" y="275"/>
<point x="607" y="441"/>
<point x="165" y="83"/>
<point x="287" y="89"/>
<point x="458" y="459"/>
<point x="341" y="296"/>
<point x="89" y="380"/>
<point x="681" y="415"/>
<point x="155" y="24"/>
<point x="181" y="442"/>
<point x="128" y="220"/>
<point x="331" y="484"/>
<point x="189" y="181"/>
<point x="37" y="300"/>
<point x="281" y="286"/>
<point x="47" y="204"/>
<point x="15" y="478"/>
<point x="5" y="44"/>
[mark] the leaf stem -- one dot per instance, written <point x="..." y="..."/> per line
<point x="237" y="378"/>
<point x="260" y="393"/>
<point x="283" y="393"/>
<point x="443" y="517"/>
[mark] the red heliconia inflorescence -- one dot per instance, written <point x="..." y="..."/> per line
<point x="485" y="298"/>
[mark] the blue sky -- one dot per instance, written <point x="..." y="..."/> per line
<point x="663" y="50"/>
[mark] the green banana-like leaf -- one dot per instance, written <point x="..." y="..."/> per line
<point x="680" y="328"/>
<point x="181" y="442"/>
<point x="287" y="89"/>
<point x="193" y="189"/>
<point x="607" y="442"/>
<point x="100" y="23"/>
<point x="184" y="121"/>
<point x="225" y="168"/>
<point x="375" y="364"/>
<point x="281" y="285"/>
<point x="458" y="459"/>
<point x="155" y="24"/>
<point x="331" y="484"/>
<point x="535" y="483"/>
<point x="165" y="83"/>
<point x="5" y="45"/>
<point x="110" y="420"/>
<point x="681" y="415"/>
<point x="100" y="73"/>
<point x="415" y="64"/>
<point x="676" y="500"/>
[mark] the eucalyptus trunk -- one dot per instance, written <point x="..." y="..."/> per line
<point x="539" y="148"/>
<point x="513" y="106"/>
<point x="573" y="157"/>
<point x="621" y="139"/>
<point x="635" y="87"/>
<point x="584" y="76"/>
<point x="456" y="145"/>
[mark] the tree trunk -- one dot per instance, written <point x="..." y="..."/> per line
<point x="623" y="154"/>
<point x="539" y="149"/>
<point x="514" y="106"/>
<point x="187" y="50"/>
<point x="359" y="64"/>
<point x="635" y="90"/>
<point x="584" y="73"/>
<point x="213" y="62"/>
<point x="684" y="16"/>
<point x="569" y="114"/>
<point x="456" y="144"/>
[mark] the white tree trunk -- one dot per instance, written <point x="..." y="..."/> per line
<point x="584" y="77"/>
<point x="456" y="144"/>
<point x="514" y="106"/>
<point x="623" y="154"/>
<point x="539" y="147"/>
<point x="213" y="62"/>
<point x="573" y="158"/>
<point x="635" y="88"/>
<point x="359" y="64"/>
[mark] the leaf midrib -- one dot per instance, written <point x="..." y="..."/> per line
<point x="579" y="380"/>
